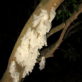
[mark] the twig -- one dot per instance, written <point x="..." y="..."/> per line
<point x="48" y="52"/>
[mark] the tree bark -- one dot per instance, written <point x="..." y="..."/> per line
<point x="44" y="4"/>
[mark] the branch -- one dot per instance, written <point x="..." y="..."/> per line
<point x="70" y="31"/>
<point x="55" y="29"/>
<point x="48" y="52"/>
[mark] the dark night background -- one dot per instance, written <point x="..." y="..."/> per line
<point x="65" y="66"/>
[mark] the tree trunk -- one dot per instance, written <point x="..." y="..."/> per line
<point x="44" y="4"/>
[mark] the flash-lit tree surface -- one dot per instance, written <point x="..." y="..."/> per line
<point x="66" y="63"/>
